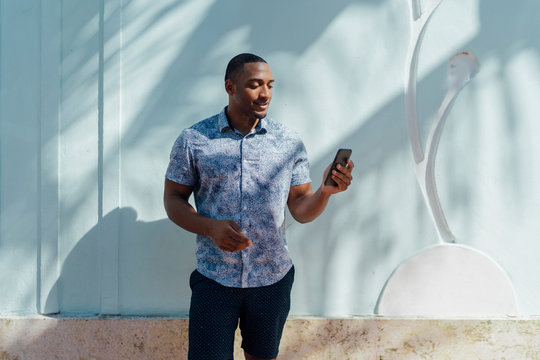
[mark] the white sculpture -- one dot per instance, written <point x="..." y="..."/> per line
<point x="446" y="279"/>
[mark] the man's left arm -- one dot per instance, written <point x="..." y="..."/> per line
<point x="305" y="205"/>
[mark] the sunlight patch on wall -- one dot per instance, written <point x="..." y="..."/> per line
<point x="330" y="100"/>
<point x="334" y="100"/>
<point x="153" y="38"/>
<point x="234" y="39"/>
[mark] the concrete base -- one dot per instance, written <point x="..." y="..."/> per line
<point x="377" y="338"/>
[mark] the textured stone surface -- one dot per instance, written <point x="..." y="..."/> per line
<point x="309" y="338"/>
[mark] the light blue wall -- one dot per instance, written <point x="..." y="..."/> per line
<point x="93" y="94"/>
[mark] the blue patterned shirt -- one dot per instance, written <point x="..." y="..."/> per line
<point x="245" y="179"/>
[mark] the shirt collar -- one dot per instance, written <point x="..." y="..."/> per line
<point x="223" y="123"/>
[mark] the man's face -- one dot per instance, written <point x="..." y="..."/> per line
<point x="251" y="91"/>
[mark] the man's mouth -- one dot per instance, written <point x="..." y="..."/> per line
<point x="261" y="105"/>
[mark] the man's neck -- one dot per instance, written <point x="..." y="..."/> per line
<point x="244" y="124"/>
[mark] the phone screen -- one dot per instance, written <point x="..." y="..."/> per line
<point x="342" y="155"/>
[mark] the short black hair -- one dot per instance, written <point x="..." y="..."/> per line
<point x="236" y="64"/>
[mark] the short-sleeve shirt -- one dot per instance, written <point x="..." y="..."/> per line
<point x="245" y="179"/>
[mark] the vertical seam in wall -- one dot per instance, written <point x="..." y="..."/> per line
<point x="59" y="152"/>
<point x="120" y="106"/>
<point x="39" y="158"/>
<point x="120" y="131"/>
<point x="1" y="92"/>
<point x="119" y="23"/>
<point x="58" y="118"/>
<point x="100" y="138"/>
<point x="119" y="124"/>
<point x="100" y="108"/>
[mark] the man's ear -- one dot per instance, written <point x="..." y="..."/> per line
<point x="229" y="86"/>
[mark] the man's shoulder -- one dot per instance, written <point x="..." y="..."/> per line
<point x="280" y="129"/>
<point x="202" y="128"/>
<point x="208" y="124"/>
<point x="270" y="123"/>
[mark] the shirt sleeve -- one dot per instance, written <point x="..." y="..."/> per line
<point x="300" y="173"/>
<point x="181" y="167"/>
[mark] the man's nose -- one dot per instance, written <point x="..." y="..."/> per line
<point x="266" y="92"/>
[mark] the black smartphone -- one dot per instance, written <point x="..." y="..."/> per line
<point x="342" y="155"/>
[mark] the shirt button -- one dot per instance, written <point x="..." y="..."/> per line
<point x="244" y="208"/>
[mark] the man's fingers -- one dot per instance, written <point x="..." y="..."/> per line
<point x="230" y="237"/>
<point x="344" y="175"/>
<point x="240" y="238"/>
<point x="237" y="238"/>
<point x="237" y="231"/>
<point x="235" y="226"/>
<point x="234" y="245"/>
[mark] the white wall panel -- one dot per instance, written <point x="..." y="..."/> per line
<point x="79" y="169"/>
<point x="20" y="214"/>
<point x="50" y="86"/>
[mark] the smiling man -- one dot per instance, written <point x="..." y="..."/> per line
<point x="243" y="169"/>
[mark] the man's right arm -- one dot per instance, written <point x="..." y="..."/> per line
<point x="225" y="233"/>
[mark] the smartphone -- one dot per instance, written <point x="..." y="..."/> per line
<point x="342" y="155"/>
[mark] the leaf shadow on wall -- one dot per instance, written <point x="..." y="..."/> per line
<point x="168" y="106"/>
<point x="178" y="98"/>
<point x="372" y="139"/>
<point x="380" y="143"/>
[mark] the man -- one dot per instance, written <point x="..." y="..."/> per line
<point x="243" y="169"/>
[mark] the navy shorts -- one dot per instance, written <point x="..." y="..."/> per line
<point x="216" y="309"/>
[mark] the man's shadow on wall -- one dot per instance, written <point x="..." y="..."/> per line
<point x="153" y="264"/>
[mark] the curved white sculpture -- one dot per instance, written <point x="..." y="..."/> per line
<point x="446" y="279"/>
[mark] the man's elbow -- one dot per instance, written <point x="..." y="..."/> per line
<point x="166" y="208"/>
<point x="302" y="219"/>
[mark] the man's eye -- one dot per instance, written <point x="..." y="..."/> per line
<point x="253" y="86"/>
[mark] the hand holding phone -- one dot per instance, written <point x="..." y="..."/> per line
<point x="342" y="155"/>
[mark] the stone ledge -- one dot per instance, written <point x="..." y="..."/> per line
<point x="311" y="338"/>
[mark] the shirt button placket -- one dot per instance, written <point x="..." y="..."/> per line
<point x="245" y="264"/>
